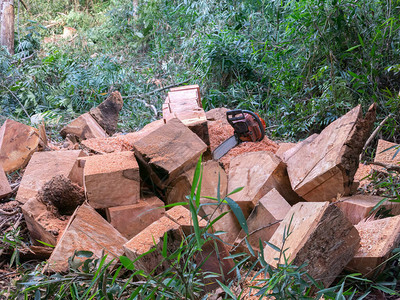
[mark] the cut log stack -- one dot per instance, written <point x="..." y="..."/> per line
<point x="297" y="199"/>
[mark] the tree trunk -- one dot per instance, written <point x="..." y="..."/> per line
<point x="7" y="25"/>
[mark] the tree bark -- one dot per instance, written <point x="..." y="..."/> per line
<point x="7" y="25"/>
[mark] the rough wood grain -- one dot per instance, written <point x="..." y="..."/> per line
<point x="84" y="127"/>
<point x="17" y="144"/>
<point x="325" y="167"/>
<point x="166" y="152"/>
<point x="378" y="239"/>
<point x="320" y="235"/>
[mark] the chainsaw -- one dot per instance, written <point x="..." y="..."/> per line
<point x="248" y="127"/>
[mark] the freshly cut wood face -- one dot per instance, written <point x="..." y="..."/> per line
<point x="43" y="166"/>
<point x="378" y="239"/>
<point x="5" y="187"/>
<point x="168" y="151"/>
<point x="17" y="144"/>
<point x="84" y="127"/>
<point x="86" y="230"/>
<point x="319" y="235"/>
<point x="358" y="207"/>
<point x="323" y="168"/>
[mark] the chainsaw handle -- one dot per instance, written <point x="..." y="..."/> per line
<point x="232" y="116"/>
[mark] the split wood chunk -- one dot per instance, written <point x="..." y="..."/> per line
<point x="325" y="167"/>
<point x="258" y="173"/>
<point x="378" y="239"/>
<point x="212" y="172"/>
<point x="86" y="230"/>
<point x="386" y="156"/>
<point x="183" y="217"/>
<point x="358" y="207"/>
<point x="129" y="220"/>
<point x="106" y="113"/>
<point x="43" y="224"/>
<point x="213" y="258"/>
<point x="17" y="144"/>
<point x="111" y="179"/>
<point x="5" y="188"/>
<point x="153" y="237"/>
<point x="84" y="127"/>
<point x="319" y="235"/>
<point x="264" y="220"/>
<point x="43" y="166"/>
<point x="283" y="147"/>
<point x="184" y="103"/>
<point x="293" y="150"/>
<point x="217" y="114"/>
<point x="119" y="143"/>
<point x="168" y="151"/>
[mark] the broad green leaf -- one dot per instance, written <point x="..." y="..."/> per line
<point x="237" y="211"/>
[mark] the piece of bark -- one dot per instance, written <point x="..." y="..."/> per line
<point x="111" y="179"/>
<point x="258" y="173"/>
<point x="325" y="167"/>
<point x="378" y="239"/>
<point x="43" y="166"/>
<point x="84" y="127"/>
<point x="319" y="235"/>
<point x="184" y="103"/>
<point x="263" y="220"/>
<point x="153" y="236"/>
<point x="106" y="113"/>
<point x="86" y="230"/>
<point x="129" y="220"/>
<point x="17" y="144"/>
<point x="166" y="152"/>
<point x="42" y="223"/>
<point x="5" y="188"/>
<point x="358" y="207"/>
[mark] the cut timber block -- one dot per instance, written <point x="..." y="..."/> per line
<point x="378" y="239"/>
<point x="5" y="188"/>
<point x="213" y="258"/>
<point x="258" y="172"/>
<point x="181" y="187"/>
<point x="129" y="220"/>
<point x="168" y="151"/>
<point x="217" y="114"/>
<point x="320" y="235"/>
<point x="119" y="143"/>
<point x="106" y="114"/>
<point x="84" y="127"/>
<point x="42" y="224"/>
<point x="358" y="207"/>
<point x="111" y="179"/>
<point x="151" y="237"/>
<point x="283" y="147"/>
<point x="293" y="150"/>
<point x="264" y="220"/>
<point x="325" y="167"/>
<point x="86" y="230"/>
<point x="43" y="166"/>
<point x="184" y="103"/>
<point x="183" y="217"/>
<point x="17" y="144"/>
<point x="386" y="157"/>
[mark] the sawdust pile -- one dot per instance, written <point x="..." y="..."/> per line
<point x="219" y="132"/>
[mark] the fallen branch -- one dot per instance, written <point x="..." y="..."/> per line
<point x="388" y="167"/>
<point x="23" y="107"/>
<point x="373" y="135"/>
<point x="255" y="231"/>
